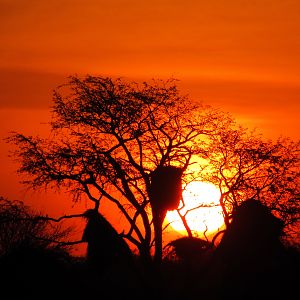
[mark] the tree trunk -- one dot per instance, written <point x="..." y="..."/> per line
<point x="158" y="219"/>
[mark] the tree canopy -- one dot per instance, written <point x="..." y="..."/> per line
<point x="110" y="135"/>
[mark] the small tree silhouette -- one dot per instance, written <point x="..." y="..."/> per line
<point x="21" y="227"/>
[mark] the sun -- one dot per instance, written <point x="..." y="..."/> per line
<point x="207" y="218"/>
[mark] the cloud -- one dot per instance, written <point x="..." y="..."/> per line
<point x="270" y="105"/>
<point x="27" y="89"/>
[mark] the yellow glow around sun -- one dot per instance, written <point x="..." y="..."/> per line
<point x="195" y="194"/>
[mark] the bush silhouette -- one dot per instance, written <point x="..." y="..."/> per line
<point x="251" y="259"/>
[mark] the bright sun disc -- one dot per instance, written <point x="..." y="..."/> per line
<point x="200" y="219"/>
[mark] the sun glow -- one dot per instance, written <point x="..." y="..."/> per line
<point x="201" y="203"/>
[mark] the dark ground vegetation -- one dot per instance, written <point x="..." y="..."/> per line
<point x="250" y="262"/>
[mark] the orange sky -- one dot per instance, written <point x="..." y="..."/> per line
<point x="243" y="56"/>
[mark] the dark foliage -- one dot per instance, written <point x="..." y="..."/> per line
<point x="165" y="193"/>
<point x="21" y="227"/>
<point x="105" y="246"/>
<point x="249" y="263"/>
<point x="190" y="249"/>
<point x="166" y="188"/>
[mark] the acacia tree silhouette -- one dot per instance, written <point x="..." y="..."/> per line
<point x="109" y="135"/>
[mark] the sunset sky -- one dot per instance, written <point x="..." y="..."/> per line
<point x="241" y="56"/>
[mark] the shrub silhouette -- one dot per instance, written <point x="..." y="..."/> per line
<point x="105" y="246"/>
<point x="110" y="261"/>
<point x="254" y="230"/>
<point x="250" y="257"/>
<point x="190" y="249"/>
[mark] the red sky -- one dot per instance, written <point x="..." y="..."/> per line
<point x="242" y="56"/>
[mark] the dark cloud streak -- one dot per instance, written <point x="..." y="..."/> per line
<point x="27" y="89"/>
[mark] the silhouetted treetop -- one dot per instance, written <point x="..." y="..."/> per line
<point x="114" y="104"/>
